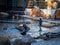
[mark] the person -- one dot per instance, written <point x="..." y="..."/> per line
<point x="40" y="23"/>
<point x="26" y="29"/>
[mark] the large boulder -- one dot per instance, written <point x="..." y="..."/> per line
<point x="24" y="40"/>
<point x="6" y="35"/>
<point x="4" y="41"/>
<point x="23" y="29"/>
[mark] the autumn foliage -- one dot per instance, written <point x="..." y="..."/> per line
<point x="35" y="12"/>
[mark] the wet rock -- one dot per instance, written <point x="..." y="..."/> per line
<point x="6" y="35"/>
<point x="25" y="40"/>
<point x="4" y="41"/>
<point x="9" y="33"/>
<point x="23" y="28"/>
<point x="20" y="28"/>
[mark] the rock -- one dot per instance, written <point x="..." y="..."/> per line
<point x="20" y="28"/>
<point x="7" y="34"/>
<point x="24" y="28"/>
<point x="25" y="40"/>
<point x="4" y="41"/>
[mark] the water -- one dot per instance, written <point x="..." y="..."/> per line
<point x="34" y="26"/>
<point x="8" y="30"/>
